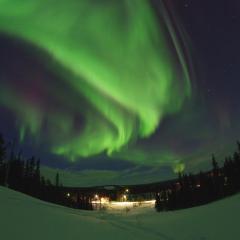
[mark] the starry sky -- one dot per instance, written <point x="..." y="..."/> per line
<point x="136" y="90"/>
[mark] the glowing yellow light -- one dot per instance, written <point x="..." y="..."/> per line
<point x="68" y="194"/>
<point x="122" y="205"/>
<point x="114" y="205"/>
<point x="127" y="190"/>
<point x="103" y="200"/>
<point x="96" y="196"/>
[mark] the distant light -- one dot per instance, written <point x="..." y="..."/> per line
<point x="96" y="196"/>
<point x="198" y="185"/>
<point x="68" y="194"/>
<point x="127" y="190"/>
<point x="124" y="197"/>
<point x="104" y="200"/>
<point x="122" y="205"/>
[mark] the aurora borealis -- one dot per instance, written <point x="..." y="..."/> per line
<point x="106" y="79"/>
<point x="127" y="73"/>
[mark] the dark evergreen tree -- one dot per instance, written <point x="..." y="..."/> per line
<point x="43" y="182"/>
<point x="215" y="166"/>
<point x="2" y="150"/>
<point x="238" y="145"/>
<point x="57" y="180"/>
<point x="37" y="173"/>
<point x="2" y="159"/>
<point x="32" y="167"/>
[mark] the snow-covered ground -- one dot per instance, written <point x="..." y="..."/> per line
<point x="26" y="218"/>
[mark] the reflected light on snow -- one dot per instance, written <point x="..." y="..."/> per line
<point x="126" y="204"/>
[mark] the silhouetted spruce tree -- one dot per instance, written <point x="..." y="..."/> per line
<point x="26" y="176"/>
<point x="203" y="190"/>
<point x="48" y="183"/>
<point x="215" y="166"/>
<point x="42" y="188"/>
<point x="228" y="170"/>
<point x="2" y="159"/>
<point x="238" y="145"/>
<point x="19" y="172"/>
<point x="31" y="167"/>
<point x="186" y="191"/>
<point x="237" y="162"/>
<point x="215" y="177"/>
<point x="57" y="189"/>
<point x="11" y="171"/>
<point x="16" y="172"/>
<point x="37" y="173"/>
<point x="37" y="179"/>
<point x="172" y="198"/>
<point x="57" y="180"/>
<point x="236" y="170"/>
<point x="2" y="149"/>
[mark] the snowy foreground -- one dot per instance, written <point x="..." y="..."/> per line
<point x="25" y="218"/>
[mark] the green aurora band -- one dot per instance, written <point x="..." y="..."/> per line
<point x="119" y="56"/>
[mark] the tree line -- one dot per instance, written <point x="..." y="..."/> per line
<point x="187" y="191"/>
<point x="191" y="190"/>
<point x="24" y="175"/>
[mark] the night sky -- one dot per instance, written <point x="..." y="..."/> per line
<point x="137" y="89"/>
